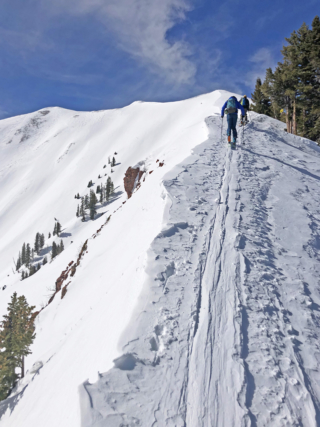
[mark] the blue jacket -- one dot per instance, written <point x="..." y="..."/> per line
<point x="238" y="105"/>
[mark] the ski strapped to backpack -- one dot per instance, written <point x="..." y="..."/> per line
<point x="231" y="106"/>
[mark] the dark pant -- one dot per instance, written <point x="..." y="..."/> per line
<point x="232" y="122"/>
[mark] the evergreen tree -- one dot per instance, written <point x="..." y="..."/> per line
<point x="42" y="240"/>
<point x="90" y="184"/>
<point x="92" y="204"/>
<point x="98" y="189"/>
<point x="44" y="261"/>
<point x="28" y="254"/>
<point x="61" y="246"/>
<point x="16" y="337"/>
<point x="77" y="214"/>
<point x="54" y="251"/>
<point x="23" y="254"/>
<point x="82" y="209"/>
<point x="37" y="243"/>
<point x="261" y="102"/>
<point x="54" y="229"/>
<point x="268" y="90"/>
<point x="58" y="228"/>
<point x="49" y="235"/>
<point x="18" y="265"/>
<point x="86" y="201"/>
<point x="22" y="275"/>
<point x="113" y="161"/>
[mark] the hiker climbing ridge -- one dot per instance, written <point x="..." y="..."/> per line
<point x="231" y="107"/>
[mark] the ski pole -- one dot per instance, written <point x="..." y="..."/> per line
<point x="221" y="129"/>
<point x="243" y="134"/>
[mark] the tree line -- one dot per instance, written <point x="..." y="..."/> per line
<point x="291" y="93"/>
<point x="27" y="254"/>
<point x="89" y="201"/>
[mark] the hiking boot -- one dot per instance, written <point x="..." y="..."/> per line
<point x="229" y="139"/>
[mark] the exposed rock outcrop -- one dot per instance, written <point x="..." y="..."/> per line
<point x="131" y="179"/>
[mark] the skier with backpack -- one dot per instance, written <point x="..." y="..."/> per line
<point x="231" y="107"/>
<point x="244" y="101"/>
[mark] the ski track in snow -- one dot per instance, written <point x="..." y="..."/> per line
<point x="226" y="333"/>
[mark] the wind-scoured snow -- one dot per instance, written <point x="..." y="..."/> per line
<point x="198" y="302"/>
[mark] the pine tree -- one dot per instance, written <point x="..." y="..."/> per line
<point x="269" y="92"/>
<point x="22" y="275"/>
<point x="82" y="210"/>
<point x="54" y="229"/>
<point x="23" y="254"/>
<point x="42" y="240"/>
<point x="61" y="246"/>
<point x="86" y="201"/>
<point x="28" y="254"/>
<point x="77" y="213"/>
<point x="18" y="265"/>
<point x="44" y="261"/>
<point x="16" y="337"/>
<point x="261" y="102"/>
<point x="90" y="184"/>
<point x="54" y="251"/>
<point x="92" y="204"/>
<point x="37" y="243"/>
<point x="109" y="188"/>
<point x="113" y="161"/>
<point x="98" y="189"/>
<point x="58" y="228"/>
<point x="49" y="235"/>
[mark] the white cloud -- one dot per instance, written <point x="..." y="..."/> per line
<point x="141" y="28"/>
<point x="3" y="113"/>
<point x="262" y="59"/>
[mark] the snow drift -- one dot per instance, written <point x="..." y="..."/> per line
<point x="198" y="302"/>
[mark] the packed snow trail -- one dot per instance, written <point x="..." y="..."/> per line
<point x="226" y="333"/>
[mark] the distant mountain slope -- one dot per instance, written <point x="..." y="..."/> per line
<point x="204" y="286"/>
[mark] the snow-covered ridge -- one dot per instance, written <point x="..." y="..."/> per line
<point x="203" y="287"/>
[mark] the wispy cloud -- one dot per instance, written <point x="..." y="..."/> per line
<point x="262" y="59"/>
<point x="141" y="29"/>
<point x="3" y="113"/>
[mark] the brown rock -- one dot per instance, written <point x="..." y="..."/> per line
<point x="130" y="180"/>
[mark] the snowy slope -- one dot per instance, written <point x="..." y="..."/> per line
<point x="204" y="286"/>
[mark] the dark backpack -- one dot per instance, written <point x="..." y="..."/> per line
<point x="231" y="106"/>
<point x="244" y="102"/>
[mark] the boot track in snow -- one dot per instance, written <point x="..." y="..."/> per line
<point x="218" y="339"/>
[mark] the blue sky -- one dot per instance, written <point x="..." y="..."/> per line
<point x="99" y="54"/>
